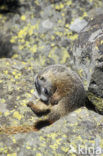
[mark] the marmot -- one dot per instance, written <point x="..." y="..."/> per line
<point x="60" y="91"/>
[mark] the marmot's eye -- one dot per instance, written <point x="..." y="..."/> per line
<point x="42" y="78"/>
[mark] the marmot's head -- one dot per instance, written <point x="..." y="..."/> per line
<point x="44" y="87"/>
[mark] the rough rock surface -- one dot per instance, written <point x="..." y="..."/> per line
<point x="95" y="93"/>
<point x="16" y="88"/>
<point x="38" y="33"/>
<point x="88" y="53"/>
<point x="76" y="131"/>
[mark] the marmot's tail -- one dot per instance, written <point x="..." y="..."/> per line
<point x="17" y="129"/>
<point x="25" y="128"/>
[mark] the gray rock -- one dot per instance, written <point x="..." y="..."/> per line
<point x="88" y="52"/>
<point x="38" y="41"/>
<point x="96" y="84"/>
<point x="73" y="134"/>
<point x="47" y="24"/>
<point x="78" y="25"/>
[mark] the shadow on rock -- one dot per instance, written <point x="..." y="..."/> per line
<point x="90" y="106"/>
<point x="5" y="47"/>
<point x="9" y="6"/>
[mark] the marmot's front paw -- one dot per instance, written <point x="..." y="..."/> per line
<point x="30" y="104"/>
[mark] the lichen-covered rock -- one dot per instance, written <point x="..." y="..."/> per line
<point x="5" y="46"/>
<point x="88" y="53"/>
<point x="96" y="84"/>
<point x="95" y="93"/>
<point x="40" y="31"/>
<point x="16" y="88"/>
<point x="72" y="134"/>
<point x="40" y="35"/>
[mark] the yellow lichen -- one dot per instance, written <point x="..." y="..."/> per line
<point x="58" y="141"/>
<point x="6" y="72"/>
<point x="33" y="48"/>
<point x="74" y="37"/>
<point x="17" y="76"/>
<point x="69" y="2"/>
<point x="13" y="139"/>
<point x="59" y="33"/>
<point x="65" y="55"/>
<point x="38" y="154"/>
<point x="54" y="146"/>
<point x="21" y="47"/>
<point x="59" y="6"/>
<point x="42" y="138"/>
<point x="28" y="95"/>
<point x="23" y="18"/>
<point x="32" y="91"/>
<point x="65" y="149"/>
<point x="17" y="115"/>
<point x="52" y="135"/>
<point x="28" y="147"/>
<point x="2" y="100"/>
<point x="15" y="56"/>
<point x="6" y="113"/>
<point x="12" y="40"/>
<point x="80" y="72"/>
<point x="53" y="55"/>
<point x="85" y="14"/>
<point x="12" y="154"/>
<point x="1" y="16"/>
<point x="23" y="102"/>
<point x="52" y="37"/>
<point x="1" y="81"/>
<point x="67" y="25"/>
<point x="1" y="149"/>
<point x="14" y="122"/>
<point x="63" y="14"/>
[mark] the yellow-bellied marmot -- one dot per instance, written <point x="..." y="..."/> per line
<point x="60" y="91"/>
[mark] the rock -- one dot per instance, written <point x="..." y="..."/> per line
<point x="72" y="134"/>
<point x="96" y="83"/>
<point x="78" y="25"/>
<point x="41" y="39"/>
<point x="96" y="86"/>
<point x="5" y="46"/>
<point x="47" y="24"/>
<point x="30" y="40"/>
<point x="16" y="85"/>
<point x="9" y="6"/>
<point x="88" y="51"/>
